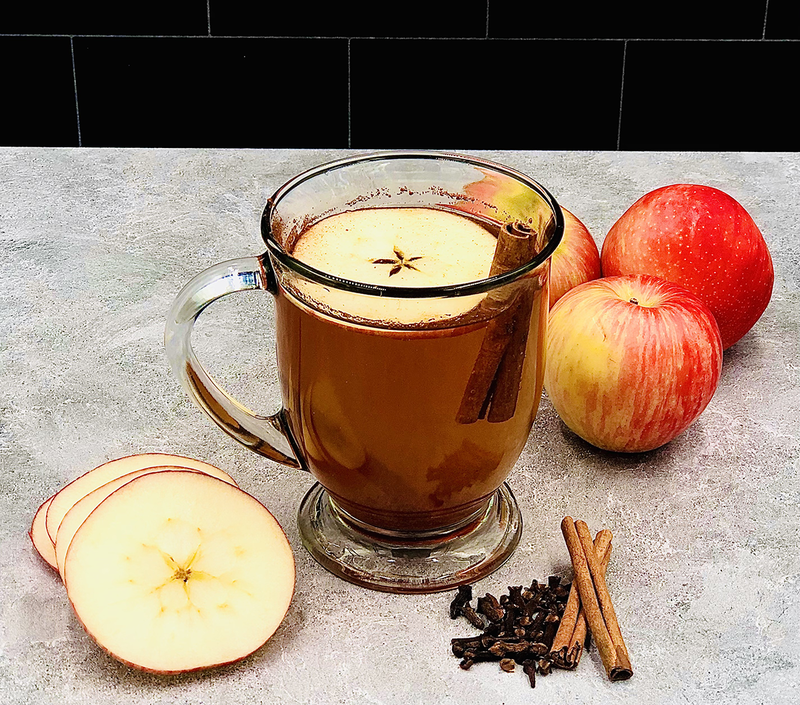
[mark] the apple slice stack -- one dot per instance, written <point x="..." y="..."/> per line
<point x="168" y="564"/>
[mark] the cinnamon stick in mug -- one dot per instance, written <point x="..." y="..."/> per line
<point x="509" y="372"/>
<point x="493" y="385"/>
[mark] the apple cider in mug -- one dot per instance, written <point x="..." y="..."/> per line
<point x="409" y="411"/>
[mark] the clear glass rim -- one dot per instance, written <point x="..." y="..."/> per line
<point x="479" y="286"/>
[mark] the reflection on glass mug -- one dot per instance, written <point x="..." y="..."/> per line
<point x="411" y="293"/>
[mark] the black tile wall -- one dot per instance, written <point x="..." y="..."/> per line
<point x="151" y="92"/>
<point x="160" y="17"/>
<point x="38" y="92"/>
<point x="709" y="96"/>
<point x="678" y="19"/>
<point x="484" y="94"/>
<point x="783" y="20"/>
<point x="410" y="18"/>
<point x="451" y="74"/>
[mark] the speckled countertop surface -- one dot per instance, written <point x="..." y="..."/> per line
<point x="705" y="575"/>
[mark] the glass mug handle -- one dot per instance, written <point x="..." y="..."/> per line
<point x="266" y="435"/>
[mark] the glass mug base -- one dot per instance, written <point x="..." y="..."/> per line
<point x="391" y="562"/>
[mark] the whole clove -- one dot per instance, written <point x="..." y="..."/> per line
<point x="529" y="669"/>
<point x="470" y="657"/>
<point x="538" y="622"/>
<point x="538" y="648"/>
<point x="502" y="648"/>
<point x="551" y="622"/>
<point x="460" y="606"/>
<point x="519" y="630"/>
<point x="473" y="617"/>
<point x="510" y="618"/>
<point x="493" y="629"/>
<point x="459" y="646"/>
<point x="490" y="606"/>
<point x="462" y="598"/>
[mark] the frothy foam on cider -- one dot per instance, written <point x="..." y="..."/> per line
<point x="402" y="247"/>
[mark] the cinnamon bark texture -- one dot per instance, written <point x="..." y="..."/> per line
<point x="493" y="386"/>
<point x="571" y="636"/>
<point x="595" y="600"/>
<point x="604" y="598"/>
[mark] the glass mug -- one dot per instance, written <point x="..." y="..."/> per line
<point x="409" y="405"/>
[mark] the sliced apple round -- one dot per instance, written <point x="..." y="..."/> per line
<point x="39" y="536"/>
<point x="178" y="571"/>
<point x="81" y="486"/>
<point x="79" y="511"/>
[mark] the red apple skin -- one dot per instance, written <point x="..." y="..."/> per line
<point x="704" y="240"/>
<point x="632" y="361"/>
<point x="576" y="259"/>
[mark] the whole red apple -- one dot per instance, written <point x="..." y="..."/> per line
<point x="704" y="240"/>
<point x="632" y="361"/>
<point x="576" y="259"/>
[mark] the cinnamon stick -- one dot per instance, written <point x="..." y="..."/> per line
<point x="562" y="653"/>
<point x="509" y="372"/>
<point x="568" y="643"/>
<point x="614" y="659"/>
<point x="603" y="596"/>
<point x="482" y="380"/>
<point x="493" y="385"/>
<point x="579" y="633"/>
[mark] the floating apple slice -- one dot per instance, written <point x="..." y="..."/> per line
<point x="179" y="571"/>
<point x="402" y="247"/>
<point x="39" y="536"/>
<point x="81" y="486"/>
<point x="79" y="511"/>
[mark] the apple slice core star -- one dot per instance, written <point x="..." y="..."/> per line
<point x="178" y="571"/>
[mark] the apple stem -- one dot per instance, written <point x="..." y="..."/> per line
<point x="635" y="301"/>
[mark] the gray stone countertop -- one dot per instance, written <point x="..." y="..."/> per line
<point x="705" y="575"/>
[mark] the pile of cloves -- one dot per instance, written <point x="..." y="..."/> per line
<point x="517" y="629"/>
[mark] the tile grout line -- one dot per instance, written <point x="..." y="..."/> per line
<point x="621" y="92"/>
<point x="75" y="90"/>
<point x="208" y="16"/>
<point x="764" y="28"/>
<point x="487" y="19"/>
<point x="712" y="40"/>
